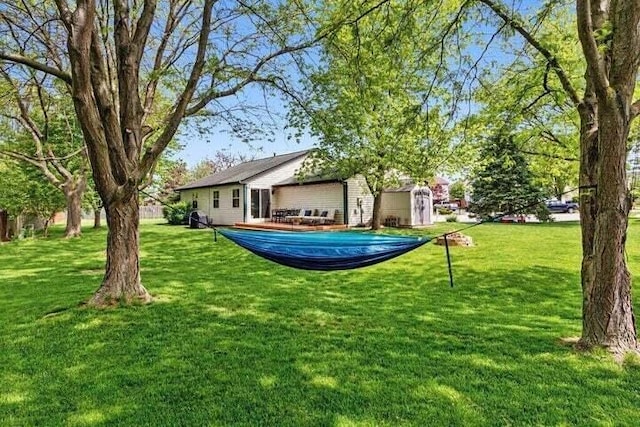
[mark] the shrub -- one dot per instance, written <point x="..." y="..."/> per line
<point x="451" y="218"/>
<point x="543" y="214"/>
<point x="445" y="211"/>
<point x="176" y="213"/>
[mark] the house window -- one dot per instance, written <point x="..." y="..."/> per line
<point x="235" y="198"/>
<point x="216" y="199"/>
<point x="194" y="201"/>
<point x="260" y="203"/>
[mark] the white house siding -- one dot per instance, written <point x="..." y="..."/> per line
<point x="226" y="214"/>
<point x="202" y="195"/>
<point x="327" y="196"/>
<point x="266" y="179"/>
<point x="357" y="189"/>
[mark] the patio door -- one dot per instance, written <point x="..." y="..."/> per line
<point x="260" y="203"/>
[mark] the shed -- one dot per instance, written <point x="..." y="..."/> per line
<point x="409" y="205"/>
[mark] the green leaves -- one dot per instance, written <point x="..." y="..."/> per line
<point x="369" y="102"/>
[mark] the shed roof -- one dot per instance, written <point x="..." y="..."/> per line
<point x="243" y="171"/>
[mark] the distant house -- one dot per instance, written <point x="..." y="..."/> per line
<point x="251" y="191"/>
<point x="440" y="189"/>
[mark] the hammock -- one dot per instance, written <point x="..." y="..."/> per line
<point x="323" y="250"/>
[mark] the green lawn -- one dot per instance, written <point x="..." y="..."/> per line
<point x="234" y="339"/>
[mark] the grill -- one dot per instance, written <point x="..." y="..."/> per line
<point x="198" y="219"/>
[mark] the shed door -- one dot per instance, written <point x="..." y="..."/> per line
<point x="420" y="203"/>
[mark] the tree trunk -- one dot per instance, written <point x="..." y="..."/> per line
<point x="73" y="193"/>
<point x="121" y="282"/>
<point x="97" y="220"/>
<point x="377" y="205"/>
<point x="608" y="318"/>
<point x="4" y="226"/>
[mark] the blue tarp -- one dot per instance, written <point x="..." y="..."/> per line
<point x="323" y="250"/>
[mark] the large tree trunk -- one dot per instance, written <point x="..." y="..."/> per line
<point x="121" y="282"/>
<point x="605" y="112"/>
<point x="608" y="318"/>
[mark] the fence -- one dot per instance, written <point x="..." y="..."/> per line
<point x="146" y="212"/>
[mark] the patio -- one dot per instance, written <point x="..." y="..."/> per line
<point x="284" y="226"/>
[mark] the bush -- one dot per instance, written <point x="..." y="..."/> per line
<point x="445" y="211"/>
<point x="177" y="213"/>
<point x="451" y="218"/>
<point x="543" y="214"/>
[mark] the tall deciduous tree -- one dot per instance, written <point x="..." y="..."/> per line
<point x="610" y="40"/>
<point x="24" y="192"/>
<point x="365" y="104"/>
<point x="118" y="56"/>
<point x="46" y="136"/>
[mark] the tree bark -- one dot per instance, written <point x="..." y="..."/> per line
<point x="608" y="318"/>
<point x="97" y="220"/>
<point x="377" y="205"/>
<point x="73" y="193"/>
<point x="612" y="67"/>
<point x="121" y="282"/>
<point x="4" y="226"/>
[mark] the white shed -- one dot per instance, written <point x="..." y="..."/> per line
<point x="409" y="205"/>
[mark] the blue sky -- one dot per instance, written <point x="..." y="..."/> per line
<point x="199" y="145"/>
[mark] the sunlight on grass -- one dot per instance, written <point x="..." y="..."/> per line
<point x="13" y="397"/>
<point x="91" y="417"/>
<point x="92" y="323"/>
<point x="324" y="381"/>
<point x="267" y="381"/>
<point x="233" y="339"/>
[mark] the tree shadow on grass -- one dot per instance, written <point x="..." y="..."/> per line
<point x="341" y="350"/>
<point x="234" y="339"/>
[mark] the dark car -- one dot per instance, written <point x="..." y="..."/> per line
<point x="558" y="206"/>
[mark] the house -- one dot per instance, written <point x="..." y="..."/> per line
<point x="440" y="189"/>
<point x="251" y="191"/>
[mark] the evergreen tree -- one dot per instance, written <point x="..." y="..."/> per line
<point x="504" y="182"/>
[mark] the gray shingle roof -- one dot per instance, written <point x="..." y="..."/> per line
<point x="243" y="171"/>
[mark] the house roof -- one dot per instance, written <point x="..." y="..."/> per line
<point x="243" y="171"/>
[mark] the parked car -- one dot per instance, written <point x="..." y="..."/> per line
<point x="446" y="205"/>
<point x="558" y="206"/>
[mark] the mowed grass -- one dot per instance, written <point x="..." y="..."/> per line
<point x="236" y="340"/>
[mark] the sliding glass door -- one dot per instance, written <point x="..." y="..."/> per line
<point x="260" y="203"/>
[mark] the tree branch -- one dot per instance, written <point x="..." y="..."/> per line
<point x="552" y="60"/>
<point x="590" y="47"/>
<point x="32" y="63"/>
<point x="152" y="153"/>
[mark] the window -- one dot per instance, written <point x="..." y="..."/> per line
<point x="235" y="198"/>
<point x="216" y="199"/>
<point x="260" y="203"/>
<point x="194" y="201"/>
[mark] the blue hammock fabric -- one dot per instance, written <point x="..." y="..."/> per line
<point x="323" y="250"/>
